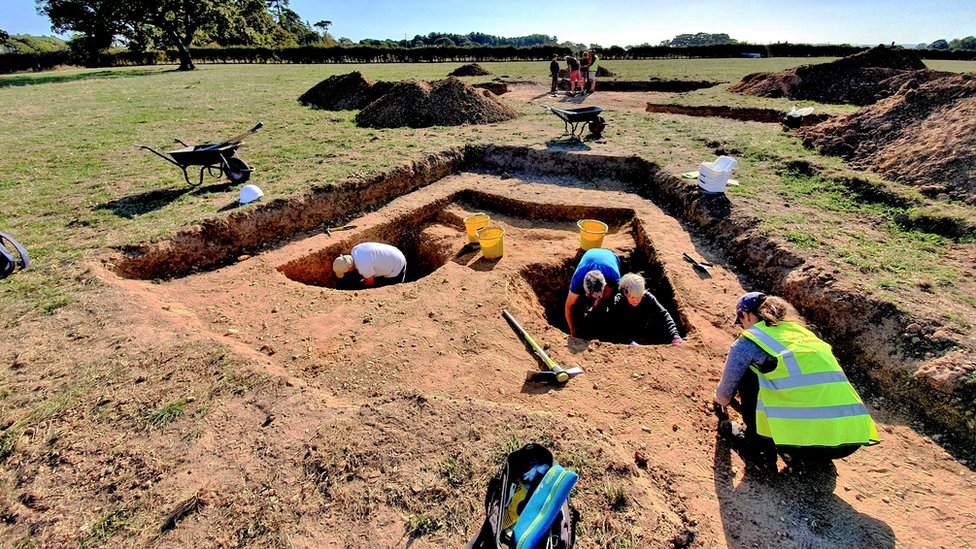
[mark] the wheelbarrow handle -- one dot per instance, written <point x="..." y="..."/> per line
<point x="161" y="155"/>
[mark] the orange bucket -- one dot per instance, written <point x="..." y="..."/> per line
<point x="591" y="233"/>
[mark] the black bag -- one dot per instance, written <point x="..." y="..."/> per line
<point x="8" y="263"/>
<point x="506" y="496"/>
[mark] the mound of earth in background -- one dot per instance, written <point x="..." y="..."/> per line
<point x="924" y="135"/>
<point x="473" y="69"/>
<point x="601" y="71"/>
<point x="344" y="92"/>
<point x="859" y="79"/>
<point x="448" y="102"/>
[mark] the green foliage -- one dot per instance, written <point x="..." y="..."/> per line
<point x="422" y="525"/>
<point x="27" y="44"/>
<point x="699" y="39"/>
<point x="105" y="527"/>
<point x="164" y="415"/>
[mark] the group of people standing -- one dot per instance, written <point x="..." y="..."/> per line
<point x="582" y="72"/>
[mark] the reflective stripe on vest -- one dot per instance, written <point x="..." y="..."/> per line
<point x="823" y="412"/>
<point x="806" y="400"/>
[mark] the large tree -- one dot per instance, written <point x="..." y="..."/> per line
<point x="95" y="22"/>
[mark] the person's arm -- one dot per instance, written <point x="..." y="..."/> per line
<point x="656" y="308"/>
<point x="570" y="301"/>
<point x="742" y="353"/>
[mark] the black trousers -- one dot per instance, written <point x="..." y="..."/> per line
<point x="555" y="81"/>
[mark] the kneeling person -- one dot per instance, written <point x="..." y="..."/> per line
<point x="379" y="264"/>
<point x="637" y="315"/>
<point x="590" y="292"/>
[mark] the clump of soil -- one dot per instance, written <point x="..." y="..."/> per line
<point x="344" y="92"/>
<point x="449" y="102"/>
<point x="602" y="71"/>
<point x="472" y="69"/>
<point x="859" y="79"/>
<point x="925" y="135"/>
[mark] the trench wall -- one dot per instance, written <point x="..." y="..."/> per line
<point x="866" y="331"/>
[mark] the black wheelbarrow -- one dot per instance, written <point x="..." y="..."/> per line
<point x="213" y="158"/>
<point x="577" y="120"/>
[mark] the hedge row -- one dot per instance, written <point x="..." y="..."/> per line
<point x="13" y="62"/>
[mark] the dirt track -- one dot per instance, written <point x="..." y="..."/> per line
<point x="374" y="383"/>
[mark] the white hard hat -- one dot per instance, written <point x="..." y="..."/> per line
<point x="250" y="193"/>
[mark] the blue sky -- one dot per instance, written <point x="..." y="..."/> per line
<point x="622" y="22"/>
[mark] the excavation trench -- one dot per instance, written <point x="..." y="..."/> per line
<point x="745" y="114"/>
<point x="669" y="86"/>
<point x="865" y="331"/>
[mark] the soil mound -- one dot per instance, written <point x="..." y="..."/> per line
<point x="344" y="92"/>
<point x="859" y="79"/>
<point x="924" y="135"/>
<point x="449" y="102"/>
<point x="601" y="71"/>
<point x="472" y="69"/>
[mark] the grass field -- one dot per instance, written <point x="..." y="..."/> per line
<point x="73" y="187"/>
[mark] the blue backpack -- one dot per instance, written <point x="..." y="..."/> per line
<point x="9" y="263"/>
<point x="527" y="504"/>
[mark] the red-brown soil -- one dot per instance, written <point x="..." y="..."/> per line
<point x="925" y="135"/>
<point x="472" y="69"/>
<point x="859" y="79"/>
<point x="396" y="402"/>
<point x="448" y="102"/>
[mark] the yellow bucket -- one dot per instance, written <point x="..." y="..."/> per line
<point x="474" y="222"/>
<point x="492" y="241"/>
<point x="591" y="233"/>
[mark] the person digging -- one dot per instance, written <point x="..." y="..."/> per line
<point x="590" y="291"/>
<point x="637" y="315"/>
<point x="795" y="398"/>
<point x="378" y="264"/>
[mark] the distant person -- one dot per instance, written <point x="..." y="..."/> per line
<point x="574" y="74"/>
<point x="590" y="292"/>
<point x="795" y="398"/>
<point x="638" y="316"/>
<point x="379" y="264"/>
<point x="594" y="66"/>
<point x="584" y="70"/>
<point x="554" y="70"/>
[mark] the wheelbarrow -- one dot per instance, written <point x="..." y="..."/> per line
<point x="213" y="158"/>
<point x="577" y="120"/>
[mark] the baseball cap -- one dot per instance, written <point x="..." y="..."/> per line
<point x="748" y="303"/>
<point x="342" y="265"/>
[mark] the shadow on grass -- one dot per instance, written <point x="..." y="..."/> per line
<point x="54" y="78"/>
<point x="150" y="201"/>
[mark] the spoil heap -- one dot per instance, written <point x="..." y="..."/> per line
<point x="924" y="135"/>
<point x="859" y="79"/>
<point x="473" y="69"/>
<point x="344" y="92"/>
<point x="449" y="102"/>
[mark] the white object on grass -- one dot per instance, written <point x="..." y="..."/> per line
<point x="250" y="193"/>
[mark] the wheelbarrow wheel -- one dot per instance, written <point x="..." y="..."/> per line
<point x="237" y="170"/>
<point x="597" y="126"/>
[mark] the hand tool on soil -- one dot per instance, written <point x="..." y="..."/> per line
<point x="703" y="265"/>
<point x="555" y="373"/>
<point x="328" y="230"/>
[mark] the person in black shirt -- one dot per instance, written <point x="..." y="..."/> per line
<point x="639" y="317"/>
<point x="554" y="69"/>
<point x="574" y="74"/>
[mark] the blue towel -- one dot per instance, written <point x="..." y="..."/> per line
<point x="543" y="507"/>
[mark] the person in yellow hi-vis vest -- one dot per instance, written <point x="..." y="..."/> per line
<point x="793" y="392"/>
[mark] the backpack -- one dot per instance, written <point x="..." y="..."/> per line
<point x="8" y="263"/>
<point x="517" y="520"/>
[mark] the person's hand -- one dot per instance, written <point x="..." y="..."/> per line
<point x="677" y="341"/>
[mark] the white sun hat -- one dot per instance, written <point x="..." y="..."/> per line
<point x="250" y="193"/>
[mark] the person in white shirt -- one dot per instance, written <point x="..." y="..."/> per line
<point x="379" y="264"/>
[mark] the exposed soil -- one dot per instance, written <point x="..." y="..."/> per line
<point x="472" y="69"/>
<point x="396" y="403"/>
<point x="449" y="102"/>
<point x="495" y="87"/>
<point x="351" y="91"/>
<point x="652" y="85"/>
<point x="746" y="114"/>
<point x="925" y="135"/>
<point x="859" y="79"/>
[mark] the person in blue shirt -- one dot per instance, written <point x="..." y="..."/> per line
<point x="590" y="292"/>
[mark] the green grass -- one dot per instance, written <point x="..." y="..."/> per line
<point x="166" y="414"/>
<point x="105" y="527"/>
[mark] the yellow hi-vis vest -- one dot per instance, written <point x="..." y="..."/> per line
<point x="806" y="400"/>
<point x="595" y="64"/>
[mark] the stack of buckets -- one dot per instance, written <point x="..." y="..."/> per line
<point x="491" y="238"/>
<point x="591" y="233"/>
